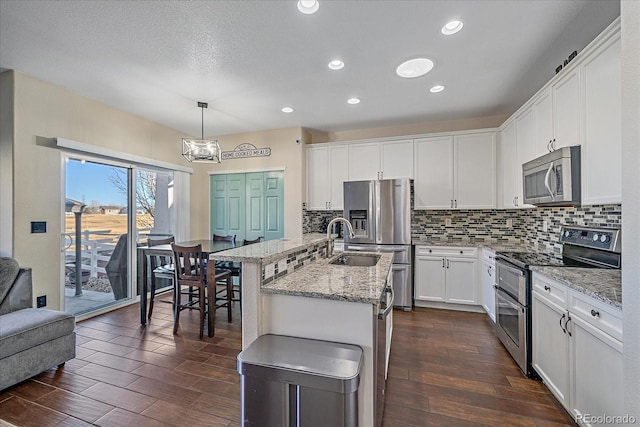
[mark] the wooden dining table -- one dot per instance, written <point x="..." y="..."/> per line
<point x="144" y="252"/>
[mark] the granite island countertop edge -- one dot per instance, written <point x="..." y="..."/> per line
<point x="322" y="280"/>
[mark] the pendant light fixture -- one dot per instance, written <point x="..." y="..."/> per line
<point x="201" y="150"/>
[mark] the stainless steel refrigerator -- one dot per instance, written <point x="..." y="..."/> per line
<point x="380" y="212"/>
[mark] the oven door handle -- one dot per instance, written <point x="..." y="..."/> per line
<point x="509" y="268"/>
<point x="508" y="299"/>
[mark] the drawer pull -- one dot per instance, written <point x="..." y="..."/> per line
<point x="430" y="250"/>
<point x="595" y="313"/>
<point x="547" y="288"/>
<point x="461" y="252"/>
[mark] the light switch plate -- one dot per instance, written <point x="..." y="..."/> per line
<point x="447" y="222"/>
<point x="509" y="222"/>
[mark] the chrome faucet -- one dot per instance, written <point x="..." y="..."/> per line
<point x="329" y="241"/>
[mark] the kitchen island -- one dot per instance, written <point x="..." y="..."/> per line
<point x="290" y="288"/>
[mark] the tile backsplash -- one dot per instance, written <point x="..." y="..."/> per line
<point x="538" y="228"/>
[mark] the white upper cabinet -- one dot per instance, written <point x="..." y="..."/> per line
<point x="455" y="172"/>
<point x="566" y="110"/>
<point x="364" y="161"/>
<point x="397" y="159"/>
<point x="433" y="185"/>
<point x="327" y="169"/>
<point x="556" y="111"/>
<point x="602" y="146"/>
<point x="381" y="160"/>
<point x="543" y="136"/>
<point x="475" y="171"/>
<point x="509" y="171"/>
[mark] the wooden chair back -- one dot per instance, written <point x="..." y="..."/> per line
<point x="229" y="238"/>
<point x="189" y="265"/>
<point x="251" y="242"/>
<point x="159" y="260"/>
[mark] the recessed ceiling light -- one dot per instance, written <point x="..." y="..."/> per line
<point x="287" y="110"/>
<point x="436" y="89"/>
<point x="308" y="6"/>
<point x="451" y="27"/>
<point x="353" y="101"/>
<point x="336" y="64"/>
<point x="414" y="68"/>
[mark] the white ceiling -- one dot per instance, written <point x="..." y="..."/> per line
<point x="248" y="59"/>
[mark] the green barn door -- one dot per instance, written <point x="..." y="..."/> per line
<point x="255" y="206"/>
<point x="236" y="205"/>
<point x="218" y="202"/>
<point x="274" y="205"/>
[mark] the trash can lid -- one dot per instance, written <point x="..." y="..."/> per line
<point x="304" y="356"/>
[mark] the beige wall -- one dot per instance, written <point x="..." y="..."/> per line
<point x="286" y="153"/>
<point x="45" y="110"/>
<point x="410" y="129"/>
<point x="6" y="163"/>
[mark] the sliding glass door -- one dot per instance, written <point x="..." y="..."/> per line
<point x="96" y="235"/>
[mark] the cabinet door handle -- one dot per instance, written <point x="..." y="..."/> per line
<point x="329" y="205"/>
<point x="561" y="326"/>
<point x="547" y="288"/>
<point x="553" y="145"/>
<point x="455" y="203"/>
<point x="566" y="325"/>
<point x="442" y="262"/>
<point x="595" y="313"/>
<point x="489" y="272"/>
<point x="452" y="203"/>
<point x="549" y="146"/>
<point x="517" y="201"/>
<point x="447" y="263"/>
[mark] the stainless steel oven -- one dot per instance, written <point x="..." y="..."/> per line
<point x="512" y="312"/>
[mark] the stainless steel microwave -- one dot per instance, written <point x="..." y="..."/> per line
<point x="553" y="179"/>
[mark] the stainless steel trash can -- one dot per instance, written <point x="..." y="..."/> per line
<point x="289" y="381"/>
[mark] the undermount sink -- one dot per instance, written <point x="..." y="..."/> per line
<point x="356" y="260"/>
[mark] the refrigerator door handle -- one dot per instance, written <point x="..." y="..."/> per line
<point x="376" y="206"/>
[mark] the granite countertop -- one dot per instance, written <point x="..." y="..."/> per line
<point x="495" y="246"/>
<point x="270" y="250"/>
<point x="335" y="282"/>
<point x="600" y="283"/>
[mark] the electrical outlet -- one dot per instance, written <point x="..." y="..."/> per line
<point x="545" y="226"/>
<point x="41" y="301"/>
<point x="509" y="223"/>
<point x="447" y="222"/>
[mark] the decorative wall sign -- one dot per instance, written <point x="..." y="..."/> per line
<point x="243" y="151"/>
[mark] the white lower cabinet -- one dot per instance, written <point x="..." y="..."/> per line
<point x="577" y="350"/>
<point x="446" y="274"/>
<point x="487" y="294"/>
<point x="550" y="346"/>
<point x="597" y="377"/>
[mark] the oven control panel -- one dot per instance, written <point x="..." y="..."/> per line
<point x="599" y="238"/>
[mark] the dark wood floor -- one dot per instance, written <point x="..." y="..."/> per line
<point x="446" y="369"/>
